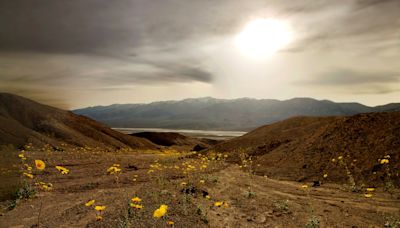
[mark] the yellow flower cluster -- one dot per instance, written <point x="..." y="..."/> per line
<point x="384" y="160"/>
<point x="368" y="193"/>
<point x="221" y="203"/>
<point x="98" y="208"/>
<point x="136" y="200"/>
<point x="22" y="156"/>
<point x="246" y="160"/>
<point x="155" y="166"/>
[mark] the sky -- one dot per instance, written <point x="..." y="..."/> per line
<point x="73" y="54"/>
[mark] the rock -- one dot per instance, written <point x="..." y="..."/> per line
<point x="260" y="219"/>
<point x="316" y="183"/>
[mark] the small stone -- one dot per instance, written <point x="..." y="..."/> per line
<point x="260" y="219"/>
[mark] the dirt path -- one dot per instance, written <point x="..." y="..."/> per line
<point x="287" y="204"/>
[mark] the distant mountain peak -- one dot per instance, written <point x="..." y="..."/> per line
<point x="208" y="113"/>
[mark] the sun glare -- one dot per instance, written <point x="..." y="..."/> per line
<point x="263" y="37"/>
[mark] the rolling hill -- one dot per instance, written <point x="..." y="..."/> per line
<point x="302" y="148"/>
<point x="23" y="120"/>
<point x="219" y="114"/>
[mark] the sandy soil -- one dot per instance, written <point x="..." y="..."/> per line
<point x="157" y="178"/>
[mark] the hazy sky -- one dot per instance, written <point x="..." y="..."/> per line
<point x="77" y="53"/>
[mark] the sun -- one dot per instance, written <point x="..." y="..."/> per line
<point x="263" y="37"/>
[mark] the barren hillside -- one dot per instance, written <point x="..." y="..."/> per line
<point x="23" y="120"/>
<point x="303" y="147"/>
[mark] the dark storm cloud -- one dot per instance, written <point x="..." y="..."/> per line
<point x="159" y="74"/>
<point x="77" y="26"/>
<point x="121" y="26"/>
<point x="63" y="26"/>
<point x="89" y="44"/>
<point x="111" y="34"/>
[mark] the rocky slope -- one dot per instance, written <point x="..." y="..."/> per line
<point x="302" y="148"/>
<point x="23" y="120"/>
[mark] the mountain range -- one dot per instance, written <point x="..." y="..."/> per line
<point x="221" y="114"/>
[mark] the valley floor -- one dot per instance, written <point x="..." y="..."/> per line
<point x="200" y="191"/>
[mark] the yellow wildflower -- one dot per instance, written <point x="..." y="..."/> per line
<point x="170" y="223"/>
<point x="90" y="203"/>
<point x="99" y="217"/>
<point x="136" y="199"/>
<point x="100" y="208"/>
<point x="137" y="206"/>
<point x="28" y="175"/>
<point x="160" y="212"/>
<point x="368" y="195"/>
<point x="40" y="165"/>
<point x="46" y="187"/>
<point x="384" y="161"/>
<point x="113" y="170"/>
<point x="218" y="204"/>
<point x="62" y="170"/>
<point x="370" y="189"/>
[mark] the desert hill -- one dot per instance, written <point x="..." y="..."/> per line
<point x="221" y="114"/>
<point x="23" y="120"/>
<point x="167" y="138"/>
<point x="302" y="148"/>
<point x="176" y="140"/>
